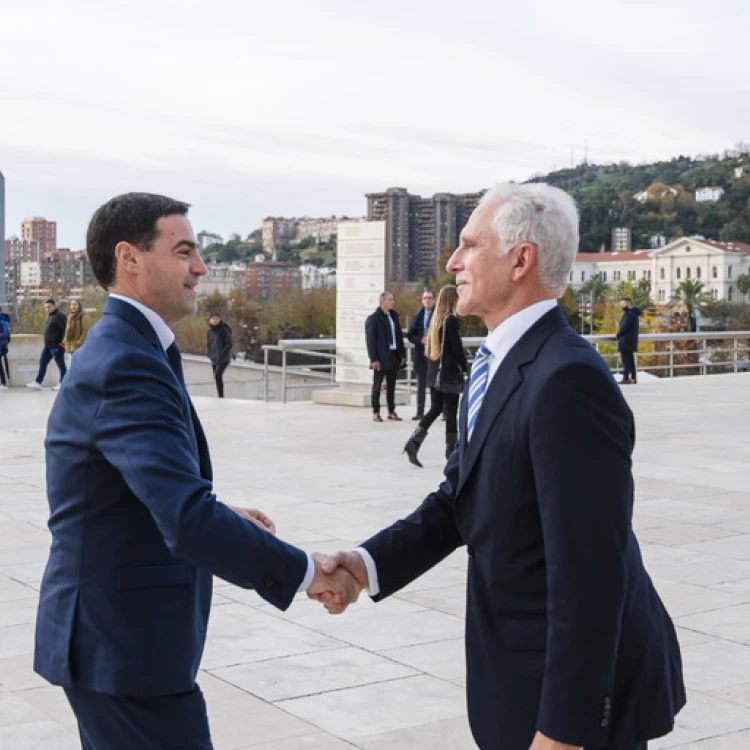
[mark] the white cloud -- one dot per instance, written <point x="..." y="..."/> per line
<point x="248" y="109"/>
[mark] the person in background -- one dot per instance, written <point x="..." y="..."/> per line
<point x="54" y="333"/>
<point x="4" y="341"/>
<point x="77" y="328"/>
<point x="446" y="358"/>
<point x="627" y="340"/>
<point x="417" y="334"/>
<point x="219" y="349"/>
<point x="385" y="347"/>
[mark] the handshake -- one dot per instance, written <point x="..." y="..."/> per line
<point x="338" y="578"/>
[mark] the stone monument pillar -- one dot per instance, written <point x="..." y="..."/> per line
<point x="361" y="276"/>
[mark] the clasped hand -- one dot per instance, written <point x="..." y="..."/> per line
<point x="338" y="580"/>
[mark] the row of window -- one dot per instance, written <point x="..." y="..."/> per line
<point x="712" y="293"/>
<point x="632" y="275"/>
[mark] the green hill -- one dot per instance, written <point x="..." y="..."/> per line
<point x="606" y="199"/>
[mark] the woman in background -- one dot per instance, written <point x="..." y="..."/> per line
<point x="446" y="365"/>
<point x="77" y="328"/>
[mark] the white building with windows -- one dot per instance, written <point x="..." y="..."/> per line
<point x="716" y="264"/>
<point x="710" y="194"/>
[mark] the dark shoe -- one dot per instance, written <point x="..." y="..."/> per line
<point x="414" y="443"/>
<point x="395" y="417"/>
<point x="376" y="417"/>
<point x="451" y="438"/>
<point x="417" y="417"/>
<point x="625" y="381"/>
<point x="633" y="382"/>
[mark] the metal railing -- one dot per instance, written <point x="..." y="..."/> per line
<point x="704" y="353"/>
<point x="318" y="348"/>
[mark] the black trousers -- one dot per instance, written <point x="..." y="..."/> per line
<point x="438" y="400"/>
<point x="628" y="365"/>
<point x="421" y="371"/>
<point x="390" y="385"/>
<point x="4" y="380"/>
<point x="219" y="369"/>
<point x="113" y="722"/>
<point x="46" y="357"/>
<point x="642" y="746"/>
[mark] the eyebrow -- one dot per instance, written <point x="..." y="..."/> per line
<point x="185" y="243"/>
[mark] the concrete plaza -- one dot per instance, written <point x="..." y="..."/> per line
<point x="390" y="676"/>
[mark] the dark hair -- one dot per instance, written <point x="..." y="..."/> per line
<point x="626" y="299"/>
<point x="130" y="217"/>
<point x="50" y="301"/>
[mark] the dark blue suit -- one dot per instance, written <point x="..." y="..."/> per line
<point x="137" y="533"/>
<point x="414" y="334"/>
<point x="565" y="633"/>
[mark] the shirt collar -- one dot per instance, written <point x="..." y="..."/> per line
<point x="510" y="331"/>
<point x="162" y="330"/>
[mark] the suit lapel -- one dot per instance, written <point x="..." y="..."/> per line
<point x="505" y="383"/>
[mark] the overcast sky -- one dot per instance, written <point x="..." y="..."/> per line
<point x="248" y="109"/>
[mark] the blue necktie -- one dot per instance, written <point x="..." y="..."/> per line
<point x="480" y="370"/>
<point x="175" y="360"/>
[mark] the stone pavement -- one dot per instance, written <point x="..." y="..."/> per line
<point x="391" y="676"/>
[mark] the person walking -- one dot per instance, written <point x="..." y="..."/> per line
<point x="54" y="334"/>
<point x="417" y="334"/>
<point x="219" y="349"/>
<point x="446" y="365"/>
<point x="4" y="341"/>
<point x="627" y="340"/>
<point x="385" y="347"/>
<point x="77" y="328"/>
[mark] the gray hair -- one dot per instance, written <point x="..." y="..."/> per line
<point x="383" y="295"/>
<point x="542" y="215"/>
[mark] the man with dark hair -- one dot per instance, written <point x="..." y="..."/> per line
<point x="627" y="340"/>
<point x="385" y="346"/>
<point x="54" y="333"/>
<point x="219" y="349"/>
<point x="4" y="341"/>
<point x="417" y="334"/>
<point x="137" y="532"/>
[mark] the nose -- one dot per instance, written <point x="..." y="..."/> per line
<point x="454" y="264"/>
<point x="198" y="268"/>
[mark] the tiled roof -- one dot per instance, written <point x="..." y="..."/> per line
<point x="612" y="257"/>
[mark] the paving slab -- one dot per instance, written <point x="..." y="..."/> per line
<point x="391" y="675"/>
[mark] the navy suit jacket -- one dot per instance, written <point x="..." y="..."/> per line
<point x="415" y="333"/>
<point x="136" y="529"/>
<point x="379" y="335"/>
<point x="565" y="633"/>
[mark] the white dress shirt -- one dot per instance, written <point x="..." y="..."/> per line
<point x="393" y="332"/>
<point x="499" y="342"/>
<point x="166" y="338"/>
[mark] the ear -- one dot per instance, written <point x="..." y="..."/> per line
<point x="127" y="258"/>
<point x="525" y="259"/>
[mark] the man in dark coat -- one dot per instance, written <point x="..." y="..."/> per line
<point x="385" y="347"/>
<point x="54" y="333"/>
<point x="568" y="645"/>
<point x="219" y="349"/>
<point x="627" y="340"/>
<point x="417" y="334"/>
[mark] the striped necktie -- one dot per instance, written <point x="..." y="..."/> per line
<point x="480" y="370"/>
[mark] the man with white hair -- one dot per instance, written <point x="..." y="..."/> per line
<point x="568" y="645"/>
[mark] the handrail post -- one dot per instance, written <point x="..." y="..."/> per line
<point x="265" y="375"/>
<point x="283" y="376"/>
<point x="705" y="357"/>
<point x="671" y="359"/>
<point x="734" y="351"/>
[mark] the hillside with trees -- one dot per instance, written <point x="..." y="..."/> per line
<point x="606" y="197"/>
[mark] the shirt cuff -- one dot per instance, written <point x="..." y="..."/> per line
<point x="309" y="575"/>
<point x="373" y="588"/>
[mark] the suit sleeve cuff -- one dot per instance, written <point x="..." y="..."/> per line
<point x="373" y="588"/>
<point x="309" y="575"/>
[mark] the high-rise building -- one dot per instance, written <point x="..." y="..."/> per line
<point x="208" y="238"/>
<point x="269" y="278"/>
<point x="22" y="250"/>
<point x="45" y="232"/>
<point x="622" y="240"/>
<point x="417" y="229"/>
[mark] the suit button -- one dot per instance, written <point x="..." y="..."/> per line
<point x="470" y="551"/>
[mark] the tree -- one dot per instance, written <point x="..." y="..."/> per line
<point x="690" y="294"/>
<point x="596" y="287"/>
<point x="743" y="284"/>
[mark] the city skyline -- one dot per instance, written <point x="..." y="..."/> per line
<point x="250" y="112"/>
